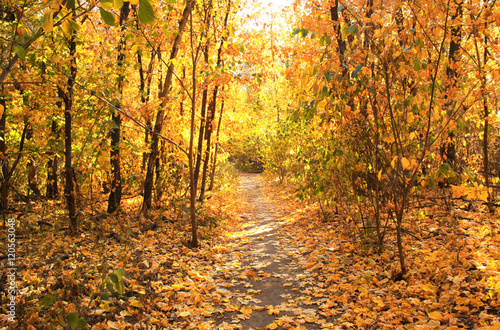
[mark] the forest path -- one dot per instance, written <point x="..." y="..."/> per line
<point x="267" y="286"/>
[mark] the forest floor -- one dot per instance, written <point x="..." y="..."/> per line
<point x="266" y="261"/>
<point x="270" y="282"/>
<point x="292" y="267"/>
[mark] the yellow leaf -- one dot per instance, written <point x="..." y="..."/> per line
<point x="379" y="175"/>
<point x="246" y="311"/>
<point x="272" y="326"/>
<point x="393" y="163"/>
<point x="125" y="313"/>
<point x="136" y="303"/>
<point x="429" y="288"/>
<point x="112" y="325"/>
<point x="184" y="314"/>
<point x="322" y="104"/>
<point x="405" y="162"/>
<point x="435" y="315"/>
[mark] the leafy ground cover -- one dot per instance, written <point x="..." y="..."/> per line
<point x="267" y="261"/>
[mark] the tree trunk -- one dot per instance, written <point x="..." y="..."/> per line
<point x="52" y="190"/>
<point x="160" y="116"/>
<point x="211" y="109"/>
<point x="32" y="178"/>
<point x="208" y="136"/>
<point x="145" y="93"/>
<point x="115" y="195"/>
<point x="67" y="97"/>
<point x="6" y="171"/>
<point x="203" y="114"/>
<point x="335" y="16"/>
<point x="201" y="131"/>
<point x="448" y="153"/>
<point x="4" y="202"/>
<point x="214" y="158"/>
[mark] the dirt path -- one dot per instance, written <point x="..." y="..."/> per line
<point x="268" y="286"/>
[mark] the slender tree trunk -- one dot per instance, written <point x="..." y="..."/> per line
<point x="192" y="183"/>
<point x="211" y="109"/>
<point x="336" y="19"/>
<point x="448" y="153"/>
<point x="216" y="151"/>
<point x="52" y="179"/>
<point x="145" y="93"/>
<point x="199" y="150"/>
<point x="204" y="99"/>
<point x="161" y="162"/>
<point x="115" y="195"/>
<point x="160" y="116"/>
<point x="4" y="203"/>
<point x="67" y="97"/>
<point x="486" y="113"/>
<point x="6" y="171"/>
<point x="208" y="135"/>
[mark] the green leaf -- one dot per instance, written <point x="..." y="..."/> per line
<point x="107" y="3"/>
<point x="416" y="65"/>
<point x="107" y="17"/>
<point x="70" y="4"/>
<point x="46" y="301"/>
<point x="172" y="2"/>
<point x="114" y="278"/>
<point x="303" y="33"/>
<point x="297" y="30"/>
<point x="146" y="12"/>
<point x="48" y="22"/>
<point x="118" y="4"/>
<point x="20" y="51"/>
<point x="72" y="320"/>
<point x="82" y="323"/>
<point x="75" y="25"/>
<point x="322" y="41"/>
<point x="110" y="287"/>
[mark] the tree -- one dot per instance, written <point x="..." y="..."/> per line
<point x="163" y="95"/>
<point x="115" y="194"/>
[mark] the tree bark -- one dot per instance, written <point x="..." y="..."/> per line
<point x="52" y="180"/>
<point x="211" y="109"/>
<point x="4" y="202"/>
<point x="448" y="153"/>
<point x="203" y="114"/>
<point x="160" y="116"/>
<point x="335" y="16"/>
<point x="67" y="97"/>
<point x="192" y="183"/>
<point x="6" y="171"/>
<point x="214" y="158"/>
<point x="115" y="195"/>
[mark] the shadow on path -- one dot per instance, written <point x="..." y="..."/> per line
<point x="269" y="280"/>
